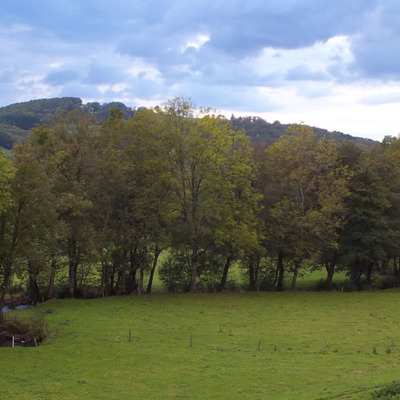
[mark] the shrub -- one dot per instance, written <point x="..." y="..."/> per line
<point x="175" y="272"/>
<point x="28" y="326"/>
<point x="210" y="269"/>
<point x="388" y="392"/>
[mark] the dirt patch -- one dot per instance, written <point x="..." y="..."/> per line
<point x="17" y="340"/>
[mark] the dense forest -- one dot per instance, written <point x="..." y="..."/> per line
<point x="17" y="120"/>
<point x="88" y="208"/>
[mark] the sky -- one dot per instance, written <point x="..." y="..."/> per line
<point x="330" y="64"/>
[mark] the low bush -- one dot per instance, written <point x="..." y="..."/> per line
<point x="388" y="392"/>
<point x="175" y="272"/>
<point x="26" y="326"/>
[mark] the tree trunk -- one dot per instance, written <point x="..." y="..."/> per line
<point x="193" y="268"/>
<point x="52" y="277"/>
<point x="73" y="268"/>
<point x="6" y="283"/>
<point x="33" y="287"/>
<point x="73" y="261"/>
<point x="279" y="285"/>
<point x="121" y="278"/>
<point x="157" y="252"/>
<point x="225" y="273"/>
<point x="111" y="284"/>
<point x="9" y="259"/>
<point x="355" y="274"/>
<point x="141" y="279"/>
<point x="103" y="290"/>
<point x="330" y="270"/>
<point x="276" y="276"/>
<point x="369" y="274"/>
<point x="297" y="266"/>
<point x="396" y="270"/>
<point x="252" y="275"/>
<point x="132" y="281"/>
<point x="143" y="265"/>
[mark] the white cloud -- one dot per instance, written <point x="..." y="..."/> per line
<point x="320" y="57"/>
<point x="332" y="64"/>
<point x="343" y="109"/>
<point x="119" y="87"/>
<point x="196" y="42"/>
<point x="141" y="69"/>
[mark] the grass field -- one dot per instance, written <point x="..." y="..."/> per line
<point x="291" y="345"/>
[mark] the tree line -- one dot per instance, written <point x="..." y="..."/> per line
<point x="81" y="199"/>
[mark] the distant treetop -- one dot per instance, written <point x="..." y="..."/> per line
<point x="16" y="120"/>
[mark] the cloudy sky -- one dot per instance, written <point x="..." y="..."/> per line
<point x="331" y="64"/>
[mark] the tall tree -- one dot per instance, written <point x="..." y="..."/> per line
<point x="7" y="236"/>
<point x="29" y="222"/>
<point x="132" y="199"/>
<point x="306" y="182"/>
<point x="65" y="150"/>
<point x="201" y="148"/>
<point x="364" y="238"/>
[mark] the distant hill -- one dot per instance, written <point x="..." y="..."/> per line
<point x="262" y="131"/>
<point x="16" y="121"/>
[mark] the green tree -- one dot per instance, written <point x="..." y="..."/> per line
<point x="370" y="238"/>
<point x="364" y="237"/>
<point x="27" y="224"/>
<point x="37" y="218"/>
<point x="304" y="197"/>
<point x="7" y="237"/>
<point x="201" y="150"/>
<point x="66" y="153"/>
<point x="389" y="172"/>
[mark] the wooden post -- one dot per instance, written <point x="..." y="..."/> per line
<point x="12" y="342"/>
<point x="35" y="342"/>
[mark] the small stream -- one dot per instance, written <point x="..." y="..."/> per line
<point x="20" y="307"/>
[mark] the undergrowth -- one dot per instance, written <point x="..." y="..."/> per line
<point x="28" y="326"/>
<point x="388" y="392"/>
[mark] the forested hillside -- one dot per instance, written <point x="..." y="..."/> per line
<point x="88" y="208"/>
<point x="17" y="120"/>
<point x="260" y="130"/>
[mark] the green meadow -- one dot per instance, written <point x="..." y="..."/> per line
<point x="290" y="345"/>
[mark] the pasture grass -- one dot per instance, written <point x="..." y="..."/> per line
<point x="290" y="345"/>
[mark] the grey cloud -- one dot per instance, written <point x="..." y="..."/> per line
<point x="6" y="76"/>
<point x="83" y="91"/>
<point x="102" y="74"/>
<point x="377" y="47"/>
<point x="380" y="99"/>
<point x="237" y="98"/>
<point x="241" y="29"/>
<point x="378" y="57"/>
<point x="303" y="73"/>
<point x="61" y="77"/>
<point x="146" y="89"/>
<point x="158" y="31"/>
